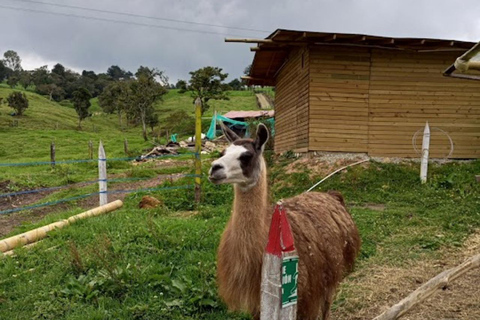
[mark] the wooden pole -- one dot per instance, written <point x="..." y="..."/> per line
<point x="198" y="148"/>
<point x="40" y="233"/>
<point x="125" y="146"/>
<point x="52" y="154"/>
<point x="279" y="271"/>
<point x="90" y="149"/>
<point x="427" y="289"/>
<point x="102" y="174"/>
<point x="425" y="152"/>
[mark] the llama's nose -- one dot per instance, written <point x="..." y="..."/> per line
<point x="217" y="173"/>
<point x="215" y="168"/>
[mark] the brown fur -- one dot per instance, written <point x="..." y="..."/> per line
<point x="325" y="236"/>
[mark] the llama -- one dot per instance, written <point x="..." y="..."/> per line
<point x="325" y="235"/>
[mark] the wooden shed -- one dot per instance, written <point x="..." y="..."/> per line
<point x="367" y="94"/>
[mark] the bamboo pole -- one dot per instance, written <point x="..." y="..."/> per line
<point x="40" y="233"/>
<point x="426" y="290"/>
<point x="463" y="62"/>
<point x="425" y="153"/>
<point x="198" y="148"/>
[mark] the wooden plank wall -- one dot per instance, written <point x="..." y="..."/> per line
<point x="291" y="103"/>
<point x="407" y="89"/>
<point x="339" y="85"/>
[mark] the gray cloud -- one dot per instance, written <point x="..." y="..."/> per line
<point x="95" y="45"/>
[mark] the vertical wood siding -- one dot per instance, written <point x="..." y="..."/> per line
<point x="339" y="84"/>
<point x="407" y="89"/>
<point x="291" y="103"/>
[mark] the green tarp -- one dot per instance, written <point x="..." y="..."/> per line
<point x="229" y="122"/>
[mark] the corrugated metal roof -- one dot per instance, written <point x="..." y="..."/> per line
<point x="249" y="114"/>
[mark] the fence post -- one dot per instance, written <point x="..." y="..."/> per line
<point x="90" y="149"/>
<point x="52" y="154"/>
<point x="279" y="271"/>
<point x="125" y="146"/>
<point x="102" y="174"/>
<point x="198" y="148"/>
<point x="425" y="153"/>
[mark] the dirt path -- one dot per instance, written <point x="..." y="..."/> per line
<point x="374" y="289"/>
<point x="263" y="102"/>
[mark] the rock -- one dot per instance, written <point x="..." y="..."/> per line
<point x="149" y="202"/>
<point x="210" y="146"/>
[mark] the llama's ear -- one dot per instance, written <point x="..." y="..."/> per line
<point x="262" y="137"/>
<point x="229" y="134"/>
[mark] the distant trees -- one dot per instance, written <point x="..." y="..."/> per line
<point x="3" y="71"/>
<point x="148" y="87"/>
<point x="114" y="98"/>
<point x="207" y="84"/>
<point x="13" y="65"/>
<point x="181" y="85"/>
<point x="116" y="73"/>
<point x="12" y="61"/>
<point x="235" y="84"/>
<point x="18" y="101"/>
<point x="81" y="103"/>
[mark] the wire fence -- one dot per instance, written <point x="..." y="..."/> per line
<point x="86" y="183"/>
<point x="36" y="163"/>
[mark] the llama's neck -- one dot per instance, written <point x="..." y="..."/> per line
<point x="250" y="207"/>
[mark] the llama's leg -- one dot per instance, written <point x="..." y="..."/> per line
<point x="327" y="303"/>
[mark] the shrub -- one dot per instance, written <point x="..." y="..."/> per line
<point x="18" y="101"/>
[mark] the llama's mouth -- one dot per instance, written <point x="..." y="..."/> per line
<point x="216" y="179"/>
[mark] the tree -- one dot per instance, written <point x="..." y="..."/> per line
<point x="25" y="78"/>
<point x="152" y="119"/>
<point x="12" y="60"/>
<point x="59" y="70"/>
<point x="117" y="73"/>
<point x="182" y="85"/>
<point x="13" y="79"/>
<point x="207" y="84"/>
<point x="114" y="98"/>
<point x="235" y="84"/>
<point x="4" y="71"/>
<point x="18" y="101"/>
<point x="246" y="72"/>
<point x="144" y="91"/>
<point x="81" y="103"/>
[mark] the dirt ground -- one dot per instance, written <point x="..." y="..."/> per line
<point x="376" y="288"/>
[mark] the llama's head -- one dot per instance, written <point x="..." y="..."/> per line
<point x="242" y="161"/>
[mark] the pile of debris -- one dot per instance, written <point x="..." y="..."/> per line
<point x="172" y="148"/>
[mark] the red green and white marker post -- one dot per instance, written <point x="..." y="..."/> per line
<point x="279" y="271"/>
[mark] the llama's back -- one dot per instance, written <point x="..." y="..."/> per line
<point x="327" y="242"/>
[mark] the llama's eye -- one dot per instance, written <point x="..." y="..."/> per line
<point x="245" y="157"/>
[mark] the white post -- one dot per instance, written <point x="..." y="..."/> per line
<point x="279" y="271"/>
<point x="425" y="152"/>
<point x="102" y="174"/>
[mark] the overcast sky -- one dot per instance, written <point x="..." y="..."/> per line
<point x="80" y="43"/>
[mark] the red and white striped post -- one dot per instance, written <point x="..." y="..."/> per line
<point x="279" y="271"/>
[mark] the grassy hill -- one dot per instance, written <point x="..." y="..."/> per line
<point x="46" y="121"/>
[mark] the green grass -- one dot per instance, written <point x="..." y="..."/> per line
<point x="157" y="264"/>
<point x="160" y="263"/>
